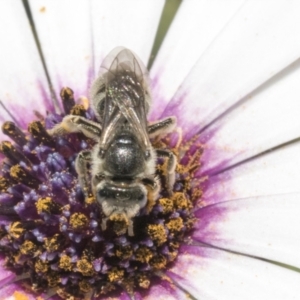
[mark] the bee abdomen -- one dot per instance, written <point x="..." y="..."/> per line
<point x="125" y="157"/>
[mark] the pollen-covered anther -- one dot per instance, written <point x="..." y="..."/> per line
<point x="14" y="132"/>
<point x="16" y="229"/>
<point x="21" y="176"/>
<point x="143" y="255"/>
<point x="28" y="248"/>
<point x="90" y="200"/>
<point x="158" y="233"/>
<point x="41" y="266"/>
<point x="180" y="201"/>
<point x="67" y="97"/>
<point x="166" y="204"/>
<point x="78" y="110"/>
<point x="124" y="252"/>
<point x="65" y="263"/>
<point x="158" y="262"/>
<point x="52" y="244"/>
<point x="11" y="152"/>
<point x="175" y="225"/>
<point x="85" y="267"/>
<point x="84" y="286"/>
<point x="4" y="184"/>
<point x="53" y="279"/>
<point x="78" y="221"/>
<point x="115" y="275"/>
<point x="39" y="132"/>
<point x="46" y="205"/>
<point x="143" y="281"/>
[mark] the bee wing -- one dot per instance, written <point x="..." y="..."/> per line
<point x="127" y="95"/>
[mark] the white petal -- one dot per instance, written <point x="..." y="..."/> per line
<point x="64" y="30"/>
<point x="214" y="274"/>
<point x="194" y="27"/>
<point x="164" y="290"/>
<point x="131" y="24"/>
<point x="267" y="118"/>
<point x="277" y="172"/>
<point x="267" y="227"/>
<point x="23" y="82"/>
<point x="256" y="44"/>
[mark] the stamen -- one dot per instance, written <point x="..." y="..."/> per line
<point x="12" y="153"/>
<point x="14" y="132"/>
<point x="67" y="97"/>
<point x="39" y="132"/>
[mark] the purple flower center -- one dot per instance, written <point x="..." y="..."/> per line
<point x="50" y="232"/>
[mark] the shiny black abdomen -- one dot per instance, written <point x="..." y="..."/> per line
<point x="124" y="157"/>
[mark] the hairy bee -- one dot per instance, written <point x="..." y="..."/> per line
<point x="123" y="162"/>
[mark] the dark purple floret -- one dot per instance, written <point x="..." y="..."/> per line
<point x="53" y="235"/>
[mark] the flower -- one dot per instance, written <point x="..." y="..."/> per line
<point x="238" y="64"/>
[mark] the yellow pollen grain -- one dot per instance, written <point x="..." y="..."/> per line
<point x="167" y="205"/>
<point x="52" y="243"/>
<point x="85" y="267"/>
<point x="65" y="263"/>
<point x="158" y="233"/>
<point x="115" y="275"/>
<point x="16" y="229"/>
<point x="158" y="262"/>
<point x="28" y="248"/>
<point x="20" y="296"/>
<point x="41" y="267"/>
<point x="78" y="220"/>
<point x="175" y="225"/>
<point x="44" y="205"/>
<point x="143" y="254"/>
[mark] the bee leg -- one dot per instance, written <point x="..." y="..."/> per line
<point x="81" y="165"/>
<point x="104" y="224"/>
<point x="71" y="123"/>
<point x="162" y="127"/>
<point x="130" y="228"/>
<point x="171" y="166"/>
<point x="153" y="184"/>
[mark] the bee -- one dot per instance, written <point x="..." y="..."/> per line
<point x="123" y="161"/>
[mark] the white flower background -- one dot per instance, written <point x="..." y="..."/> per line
<point x="228" y="69"/>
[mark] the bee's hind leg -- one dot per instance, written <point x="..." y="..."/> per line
<point x="71" y="123"/>
<point x="81" y="165"/>
<point x="162" y="127"/>
<point x="171" y="167"/>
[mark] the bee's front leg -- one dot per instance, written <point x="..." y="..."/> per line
<point x="71" y="123"/>
<point x="81" y="165"/>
